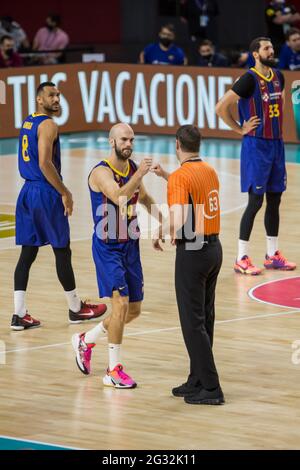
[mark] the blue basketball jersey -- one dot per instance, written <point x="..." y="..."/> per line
<point x="112" y="223"/>
<point x="28" y="149"/>
<point x="266" y="103"/>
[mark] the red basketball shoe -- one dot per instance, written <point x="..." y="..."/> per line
<point x="87" y="312"/>
<point x="24" y="323"/>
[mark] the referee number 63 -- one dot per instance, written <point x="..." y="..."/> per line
<point x="213" y="203"/>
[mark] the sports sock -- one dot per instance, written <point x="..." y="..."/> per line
<point x="19" y="301"/>
<point x="92" y="335"/>
<point x="272" y="245"/>
<point x="114" y="352"/>
<point x="243" y="249"/>
<point x="73" y="300"/>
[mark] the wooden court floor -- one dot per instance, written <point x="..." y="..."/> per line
<point x="45" y="398"/>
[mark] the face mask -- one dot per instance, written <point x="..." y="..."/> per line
<point x="166" y="42"/>
<point x="6" y="26"/>
<point x="9" y="52"/>
<point x="207" y="57"/>
<point x="50" y="27"/>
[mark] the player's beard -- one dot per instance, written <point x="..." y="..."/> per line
<point x="268" y="62"/>
<point x="52" y="110"/>
<point x="120" y="155"/>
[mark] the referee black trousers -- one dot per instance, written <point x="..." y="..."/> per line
<point x="196" y="273"/>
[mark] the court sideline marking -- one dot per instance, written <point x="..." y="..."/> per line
<point x="160" y="330"/>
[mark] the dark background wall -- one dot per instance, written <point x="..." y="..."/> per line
<point x="121" y="28"/>
<point x="89" y="21"/>
<point x="239" y="22"/>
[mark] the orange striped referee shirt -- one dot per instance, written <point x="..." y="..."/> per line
<point x="197" y="183"/>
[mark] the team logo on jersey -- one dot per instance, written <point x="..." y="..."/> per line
<point x="171" y="57"/>
<point x="265" y="97"/>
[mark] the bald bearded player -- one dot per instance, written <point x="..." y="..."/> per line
<point x="116" y="186"/>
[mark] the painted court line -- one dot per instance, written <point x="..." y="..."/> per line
<point x="159" y="330"/>
<point x="252" y="296"/>
<point x="20" y="439"/>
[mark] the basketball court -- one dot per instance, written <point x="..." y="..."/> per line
<point x="46" y="401"/>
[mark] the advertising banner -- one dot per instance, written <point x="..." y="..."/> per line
<point x="153" y="99"/>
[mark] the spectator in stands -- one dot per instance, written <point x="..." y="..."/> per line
<point x="208" y="57"/>
<point x="51" y="37"/>
<point x="245" y="60"/>
<point x="290" y="52"/>
<point x="9" y="27"/>
<point x="279" y="15"/>
<point x="198" y="14"/>
<point x="164" y="52"/>
<point x="8" y="56"/>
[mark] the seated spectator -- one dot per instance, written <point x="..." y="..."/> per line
<point x="208" y="57"/>
<point x="246" y="60"/>
<point x="51" y="37"/>
<point x="290" y="52"/>
<point x="164" y="52"/>
<point x="9" y="27"/>
<point x="279" y="15"/>
<point x="8" y="56"/>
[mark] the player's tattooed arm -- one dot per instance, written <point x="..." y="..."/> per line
<point x="47" y="134"/>
<point x="224" y="111"/>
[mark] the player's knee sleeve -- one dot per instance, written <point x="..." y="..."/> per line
<point x="273" y="201"/>
<point x="27" y="257"/>
<point x="64" y="268"/>
<point x="272" y="214"/>
<point x="63" y="254"/>
<point x="255" y="203"/>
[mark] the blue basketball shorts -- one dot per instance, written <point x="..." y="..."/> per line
<point x="40" y="218"/>
<point x="118" y="268"/>
<point x="263" y="165"/>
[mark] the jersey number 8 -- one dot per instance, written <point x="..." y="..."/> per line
<point x="25" y="145"/>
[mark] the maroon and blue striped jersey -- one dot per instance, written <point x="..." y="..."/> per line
<point x="115" y="223"/>
<point x="265" y="102"/>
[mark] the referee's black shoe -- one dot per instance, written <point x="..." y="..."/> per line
<point x="186" y="390"/>
<point x="206" y="397"/>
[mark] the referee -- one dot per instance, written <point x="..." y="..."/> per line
<point x="193" y="199"/>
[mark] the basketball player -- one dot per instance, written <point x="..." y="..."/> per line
<point x="42" y="210"/>
<point x="260" y="96"/>
<point x="116" y="187"/>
